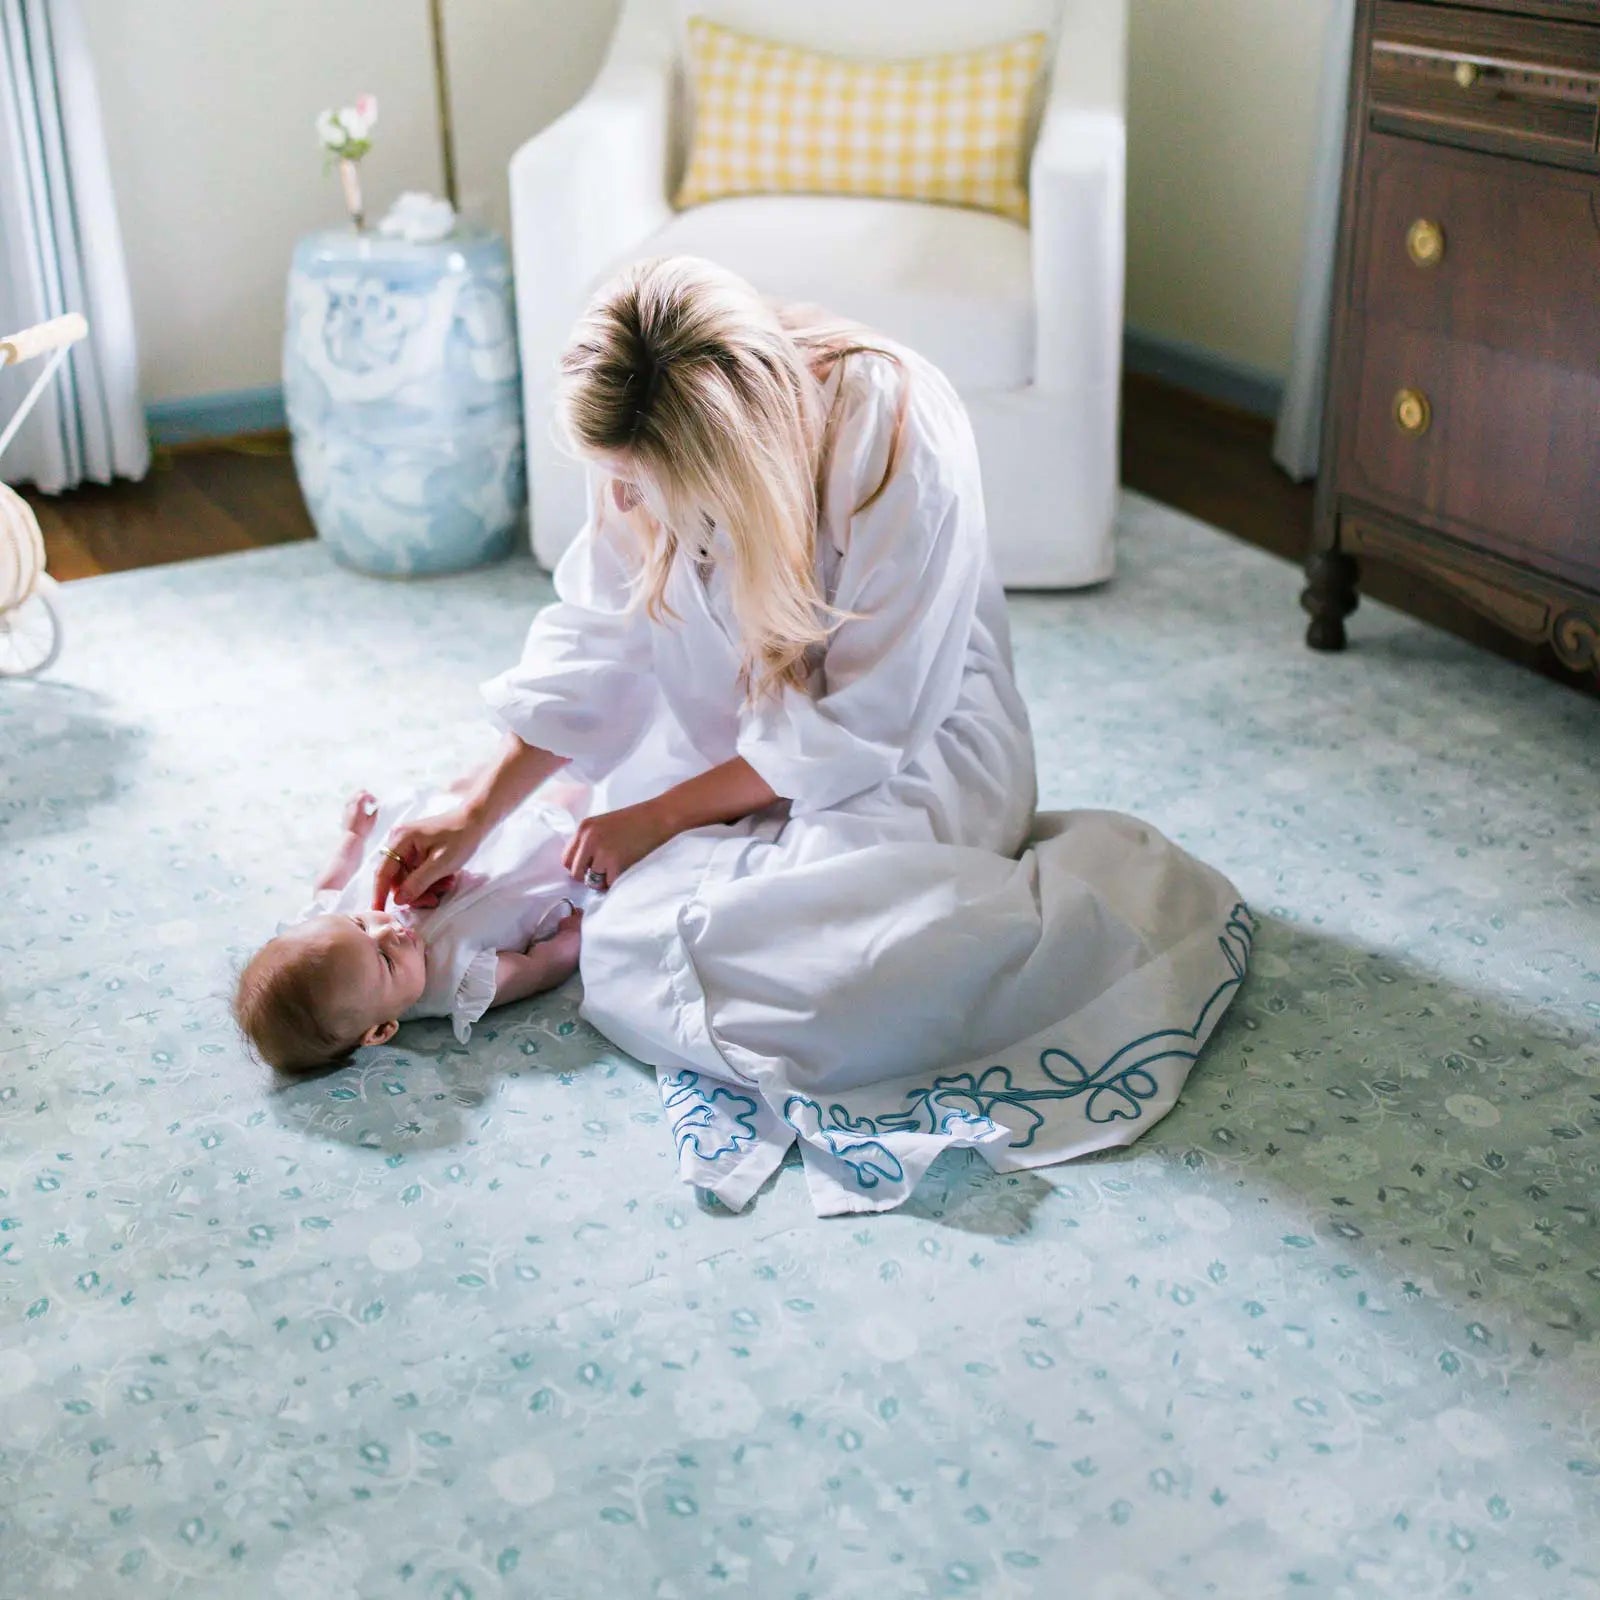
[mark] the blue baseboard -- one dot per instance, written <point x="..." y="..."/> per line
<point x="1152" y="355"/>
<point x="215" y="416"/>
<point x="1217" y="377"/>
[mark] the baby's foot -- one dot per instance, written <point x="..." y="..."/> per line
<point x="557" y="956"/>
<point x="360" y="812"/>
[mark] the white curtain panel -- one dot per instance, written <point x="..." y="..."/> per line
<point x="61" y="250"/>
<point x="1296" y="443"/>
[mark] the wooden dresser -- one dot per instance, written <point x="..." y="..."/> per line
<point x="1462" y="431"/>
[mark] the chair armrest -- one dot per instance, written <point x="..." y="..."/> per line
<point x="1077" y="185"/>
<point x="586" y="190"/>
<point x="1089" y="69"/>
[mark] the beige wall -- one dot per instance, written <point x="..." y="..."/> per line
<point x="1221" y="123"/>
<point x="209" y="106"/>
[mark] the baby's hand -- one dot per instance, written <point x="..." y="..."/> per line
<point x="360" y="811"/>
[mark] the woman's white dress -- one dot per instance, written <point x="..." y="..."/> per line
<point x="903" y="959"/>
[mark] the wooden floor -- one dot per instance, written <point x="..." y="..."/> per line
<point x="1204" y="458"/>
<point x="200" y="500"/>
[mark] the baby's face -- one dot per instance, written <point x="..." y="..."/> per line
<point x="374" y="962"/>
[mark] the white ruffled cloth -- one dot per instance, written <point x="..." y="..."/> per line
<point x="512" y="892"/>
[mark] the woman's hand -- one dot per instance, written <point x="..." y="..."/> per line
<point x="426" y="853"/>
<point x="610" y="843"/>
<point x="429" y="852"/>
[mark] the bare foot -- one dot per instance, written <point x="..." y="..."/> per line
<point x="556" y="958"/>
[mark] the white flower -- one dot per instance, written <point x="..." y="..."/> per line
<point x="338" y="130"/>
<point x="716" y="1407"/>
<point x="1471" y="1433"/>
<point x="418" y="218"/>
<point x="523" y="1478"/>
<point x="358" y="119"/>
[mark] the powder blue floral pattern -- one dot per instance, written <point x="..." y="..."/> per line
<point x="447" y="1324"/>
<point x="401" y="384"/>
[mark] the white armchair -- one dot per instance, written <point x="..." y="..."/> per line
<point x="1026" y="323"/>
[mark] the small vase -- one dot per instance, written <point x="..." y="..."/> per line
<point x="401" y="385"/>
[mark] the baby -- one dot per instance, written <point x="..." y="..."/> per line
<point x="341" y="975"/>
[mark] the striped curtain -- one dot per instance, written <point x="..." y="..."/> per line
<point x="61" y="250"/>
<point x="1297" y="443"/>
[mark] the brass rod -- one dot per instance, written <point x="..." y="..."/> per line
<point x="441" y="85"/>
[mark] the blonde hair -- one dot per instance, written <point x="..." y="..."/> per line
<point x="715" y="395"/>
<point x="281" y="1007"/>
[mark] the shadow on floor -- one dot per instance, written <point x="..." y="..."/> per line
<point x="60" y="757"/>
<point x="1353" y="1110"/>
<point x="362" y="1109"/>
<point x="1363" y="1116"/>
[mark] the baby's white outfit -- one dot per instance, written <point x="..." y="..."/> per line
<point x="512" y="892"/>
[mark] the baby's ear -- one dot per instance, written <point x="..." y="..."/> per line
<point x="381" y="1032"/>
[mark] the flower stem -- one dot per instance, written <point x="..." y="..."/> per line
<point x="350" y="179"/>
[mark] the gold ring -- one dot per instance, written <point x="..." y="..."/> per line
<point x="394" y="855"/>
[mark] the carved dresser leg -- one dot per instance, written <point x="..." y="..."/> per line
<point x="1329" y="596"/>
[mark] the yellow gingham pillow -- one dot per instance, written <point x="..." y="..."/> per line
<point x="772" y="119"/>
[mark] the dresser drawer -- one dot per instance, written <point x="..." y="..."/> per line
<point x="1509" y="457"/>
<point x="1484" y="249"/>
<point x="1504" y="82"/>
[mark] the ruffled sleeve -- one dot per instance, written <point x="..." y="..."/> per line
<point x="474" y="993"/>
<point x="583" y="688"/>
<point x="910" y="568"/>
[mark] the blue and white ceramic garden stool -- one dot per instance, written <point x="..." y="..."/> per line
<point x="400" y="381"/>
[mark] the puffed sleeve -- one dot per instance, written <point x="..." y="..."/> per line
<point x="474" y="993"/>
<point x="911" y="569"/>
<point x="583" y="688"/>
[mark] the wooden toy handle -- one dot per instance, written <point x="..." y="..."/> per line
<point x="43" y="336"/>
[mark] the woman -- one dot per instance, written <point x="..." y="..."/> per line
<point x="780" y="657"/>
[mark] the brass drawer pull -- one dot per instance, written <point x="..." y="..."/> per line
<point x="1412" y="412"/>
<point x="1466" y="74"/>
<point x="1425" y="243"/>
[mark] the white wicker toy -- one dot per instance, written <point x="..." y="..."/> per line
<point x="30" y="631"/>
